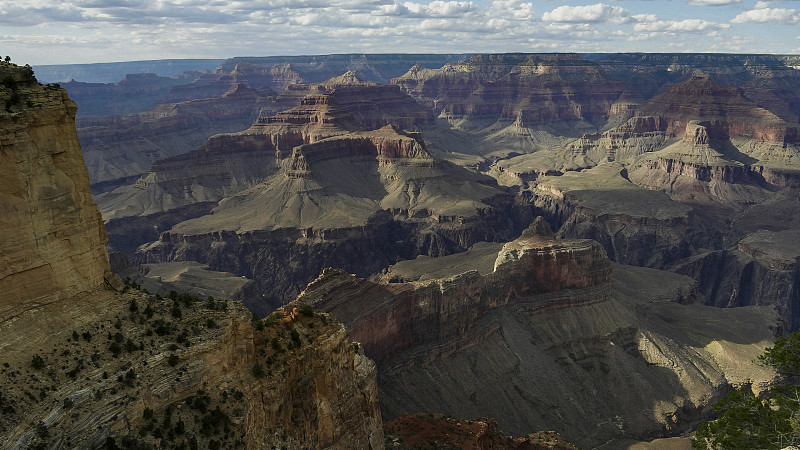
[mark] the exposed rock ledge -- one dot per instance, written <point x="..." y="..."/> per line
<point x="541" y="334"/>
<point x="403" y="315"/>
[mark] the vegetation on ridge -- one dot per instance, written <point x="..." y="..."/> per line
<point x="768" y="422"/>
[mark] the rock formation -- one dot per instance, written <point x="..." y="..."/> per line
<point x="314" y="183"/>
<point x="85" y="366"/>
<point x="571" y="342"/>
<point x="118" y="149"/>
<point x="54" y="239"/>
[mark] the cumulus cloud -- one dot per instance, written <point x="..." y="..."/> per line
<point x="599" y="12"/>
<point x="433" y="9"/>
<point x="768" y="15"/>
<point x="675" y="26"/>
<point x="712" y="2"/>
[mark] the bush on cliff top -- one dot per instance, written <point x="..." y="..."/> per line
<point x="747" y="421"/>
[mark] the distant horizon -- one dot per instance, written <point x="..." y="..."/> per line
<point x="402" y="53"/>
<point x="39" y="32"/>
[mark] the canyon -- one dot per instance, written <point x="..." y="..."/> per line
<point x="610" y="237"/>
<point x="88" y="362"/>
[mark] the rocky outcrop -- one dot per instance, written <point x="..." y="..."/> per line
<point x="402" y="316"/>
<point x="570" y="342"/>
<point x="119" y="149"/>
<point x="761" y="269"/>
<point x="529" y="90"/>
<point x="54" y="239"/>
<point x="184" y="371"/>
<point x="127" y="367"/>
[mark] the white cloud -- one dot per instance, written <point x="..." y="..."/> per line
<point x="712" y="2"/>
<point x="768" y="15"/>
<point x="436" y="8"/>
<point x="682" y="26"/>
<point x="599" y="12"/>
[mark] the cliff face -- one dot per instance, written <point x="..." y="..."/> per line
<point x="527" y="90"/>
<point x="55" y="239"/>
<point x="401" y="316"/>
<point x="570" y="342"/>
<point x="312" y="185"/>
<point x="124" y="366"/>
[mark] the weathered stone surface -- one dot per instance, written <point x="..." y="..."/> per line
<point x="53" y="245"/>
<point x="131" y="366"/>
<point x="563" y="349"/>
<point x="120" y="148"/>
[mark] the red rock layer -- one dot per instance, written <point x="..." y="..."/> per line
<point x="725" y="110"/>
<point x="387" y="318"/>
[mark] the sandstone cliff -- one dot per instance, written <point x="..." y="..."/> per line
<point x="84" y="366"/>
<point x="54" y="239"/>
<point x="570" y="342"/>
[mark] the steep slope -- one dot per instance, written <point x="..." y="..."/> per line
<point x="85" y="366"/>
<point x="54" y="246"/>
<point x="570" y="342"/>
<point x="313" y="184"/>
<point x="119" y="149"/>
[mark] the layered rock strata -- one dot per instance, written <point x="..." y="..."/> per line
<point x="54" y="239"/>
<point x="571" y="342"/>
<point x="529" y="90"/>
<point x="119" y="149"/>
<point x="311" y="185"/>
<point x="84" y="366"/>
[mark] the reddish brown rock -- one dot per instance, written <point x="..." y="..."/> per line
<point x="420" y="431"/>
<point x="406" y="315"/>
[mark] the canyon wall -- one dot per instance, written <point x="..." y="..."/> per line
<point x="111" y="366"/>
<point x="54" y="246"/>
<point x="569" y="341"/>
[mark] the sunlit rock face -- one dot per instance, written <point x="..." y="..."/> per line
<point x="569" y="341"/>
<point x="54" y="246"/>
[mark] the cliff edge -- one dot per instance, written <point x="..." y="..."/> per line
<point x="55" y="239"/>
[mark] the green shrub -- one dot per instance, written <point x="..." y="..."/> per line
<point x="37" y="362"/>
<point x="306" y="310"/>
<point x="173" y="360"/>
<point x="258" y="371"/>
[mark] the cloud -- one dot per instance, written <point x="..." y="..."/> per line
<point x="768" y="15"/>
<point x="599" y="12"/>
<point x="433" y="9"/>
<point x="712" y="2"/>
<point x="675" y="26"/>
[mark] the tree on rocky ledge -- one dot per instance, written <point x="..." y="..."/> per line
<point x="770" y="422"/>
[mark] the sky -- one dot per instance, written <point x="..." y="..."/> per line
<point x="41" y="32"/>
